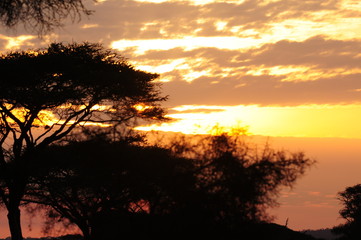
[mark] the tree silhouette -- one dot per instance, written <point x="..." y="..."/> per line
<point x="110" y="188"/>
<point x="240" y="181"/>
<point x="351" y="212"/>
<point x="46" y="94"/>
<point x="41" y="15"/>
<point x="206" y="186"/>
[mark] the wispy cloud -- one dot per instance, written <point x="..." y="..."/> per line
<point x="230" y="53"/>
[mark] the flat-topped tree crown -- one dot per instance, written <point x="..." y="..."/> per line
<point x="65" y="85"/>
<point x="54" y="90"/>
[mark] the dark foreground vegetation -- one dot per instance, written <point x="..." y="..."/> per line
<point x="325" y="233"/>
<point x="68" y="149"/>
<point x="110" y="184"/>
<point x="216" y="186"/>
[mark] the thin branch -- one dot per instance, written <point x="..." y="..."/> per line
<point x="12" y="116"/>
<point x="58" y="134"/>
<point x="45" y="132"/>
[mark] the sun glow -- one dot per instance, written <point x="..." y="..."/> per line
<point x="295" y="121"/>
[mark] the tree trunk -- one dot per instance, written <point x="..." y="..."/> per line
<point x="16" y="192"/>
<point x="86" y="233"/>
<point x="14" y="222"/>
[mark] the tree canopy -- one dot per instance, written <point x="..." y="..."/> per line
<point x="46" y="94"/>
<point x="63" y="86"/>
<point x="40" y="15"/>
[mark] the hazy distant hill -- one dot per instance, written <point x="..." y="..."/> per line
<point x="272" y="231"/>
<point x="325" y="234"/>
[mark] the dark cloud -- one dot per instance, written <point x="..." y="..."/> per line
<point x="241" y="87"/>
<point x="318" y="51"/>
<point x="118" y="19"/>
<point x="229" y="78"/>
<point x="265" y="90"/>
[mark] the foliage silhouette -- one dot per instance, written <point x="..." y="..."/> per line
<point x="104" y="186"/>
<point x="207" y="187"/>
<point x="240" y="180"/>
<point x="40" y="15"/>
<point x="46" y="94"/>
<point x="351" y="200"/>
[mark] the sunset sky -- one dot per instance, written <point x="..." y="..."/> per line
<point x="287" y="69"/>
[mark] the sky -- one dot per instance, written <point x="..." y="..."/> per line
<point x="294" y="63"/>
<point x="281" y="68"/>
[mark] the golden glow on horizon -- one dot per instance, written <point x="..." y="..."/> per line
<point x="295" y="121"/>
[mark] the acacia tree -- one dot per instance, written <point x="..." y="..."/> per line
<point x="109" y="188"/>
<point x="41" y="15"/>
<point x="46" y="94"/>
